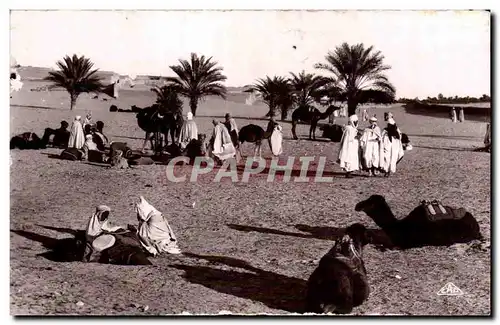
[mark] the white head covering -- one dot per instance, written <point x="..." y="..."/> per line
<point x="95" y="226"/>
<point x="373" y="119"/>
<point x="189" y="116"/>
<point x="391" y="121"/>
<point x="353" y="118"/>
<point x="145" y="210"/>
<point x="78" y="118"/>
<point x="88" y="137"/>
<point x="154" y="232"/>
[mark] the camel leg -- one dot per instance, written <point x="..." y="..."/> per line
<point x="146" y="141"/>
<point x="294" y="124"/>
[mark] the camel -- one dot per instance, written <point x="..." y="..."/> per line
<point x="254" y="134"/>
<point x="339" y="283"/>
<point x="153" y="122"/>
<point x="27" y="140"/>
<point x="195" y="148"/>
<point x="311" y="115"/>
<point x="419" y="228"/>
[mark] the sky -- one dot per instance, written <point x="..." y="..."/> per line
<point x="435" y="52"/>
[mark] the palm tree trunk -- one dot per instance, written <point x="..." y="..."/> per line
<point x="351" y="107"/>
<point x="193" y="104"/>
<point x="73" y="98"/>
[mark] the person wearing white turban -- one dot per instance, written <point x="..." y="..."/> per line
<point x="76" y="136"/>
<point x="391" y="149"/>
<point x="189" y="131"/>
<point x="370" y="145"/>
<point x="349" y="147"/>
<point x="97" y="226"/>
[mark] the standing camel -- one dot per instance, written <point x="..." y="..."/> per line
<point x="311" y="116"/>
<point x="254" y="134"/>
<point x="153" y="122"/>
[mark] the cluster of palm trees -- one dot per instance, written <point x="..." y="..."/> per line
<point x="356" y="76"/>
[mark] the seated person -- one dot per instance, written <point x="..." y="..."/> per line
<point x="98" y="225"/>
<point x="61" y="136"/>
<point x="90" y="151"/>
<point x="99" y="138"/>
<point x="154" y="232"/>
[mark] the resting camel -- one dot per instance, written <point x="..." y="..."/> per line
<point x="339" y="283"/>
<point x="310" y="115"/>
<point x="153" y="121"/>
<point x="420" y="229"/>
<point x="195" y="148"/>
<point x="254" y="134"/>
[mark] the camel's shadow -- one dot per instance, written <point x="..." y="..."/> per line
<point x="376" y="237"/>
<point x="274" y="290"/>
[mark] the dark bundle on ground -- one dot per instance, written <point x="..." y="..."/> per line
<point x="339" y="283"/>
<point x="196" y="148"/>
<point x="126" y="251"/>
<point x="27" y="140"/>
<point x="332" y="132"/>
<point x="113" y="108"/>
<point x="71" y="154"/>
<point x="123" y="147"/>
<point x="420" y="228"/>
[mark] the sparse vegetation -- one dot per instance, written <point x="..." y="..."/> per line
<point x="197" y="78"/>
<point x="76" y="76"/>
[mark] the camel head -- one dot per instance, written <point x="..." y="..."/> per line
<point x="370" y="204"/>
<point x="359" y="234"/>
<point x="377" y="208"/>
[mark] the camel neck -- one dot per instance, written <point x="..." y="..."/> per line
<point x="383" y="216"/>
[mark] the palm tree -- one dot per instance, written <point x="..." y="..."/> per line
<point x="168" y="99"/>
<point x="76" y="76"/>
<point x="276" y="92"/>
<point x="309" y="88"/>
<point x="360" y="75"/>
<point x="198" y="78"/>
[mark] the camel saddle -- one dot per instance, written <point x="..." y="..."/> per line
<point x="436" y="211"/>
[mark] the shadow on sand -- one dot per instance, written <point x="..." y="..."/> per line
<point x="448" y="149"/>
<point x="32" y="106"/>
<point x="60" y="250"/>
<point x="376" y="237"/>
<point x="126" y="250"/>
<point x="272" y="289"/>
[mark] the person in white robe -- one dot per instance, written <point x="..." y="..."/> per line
<point x="189" y="131"/>
<point x="391" y="149"/>
<point x="276" y="140"/>
<point x="365" y="115"/>
<point x="221" y="146"/>
<point x="76" y="136"/>
<point x="154" y="232"/>
<point x="453" y="115"/>
<point x="370" y="144"/>
<point x="98" y="224"/>
<point x="349" y="147"/>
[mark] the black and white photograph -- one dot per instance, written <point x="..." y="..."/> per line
<point x="250" y="162"/>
